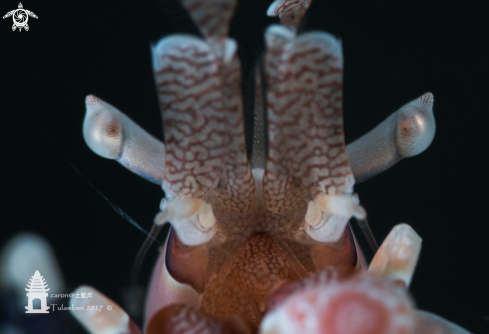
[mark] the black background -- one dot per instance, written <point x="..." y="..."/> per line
<point x="394" y="52"/>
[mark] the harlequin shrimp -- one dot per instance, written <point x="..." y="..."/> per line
<point x="261" y="242"/>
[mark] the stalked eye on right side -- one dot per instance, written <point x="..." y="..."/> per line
<point x="416" y="126"/>
<point x="405" y="133"/>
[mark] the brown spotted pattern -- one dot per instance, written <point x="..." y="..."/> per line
<point x="321" y="278"/>
<point x="259" y="265"/>
<point x="260" y="220"/>
<point x="303" y="254"/>
<point x="219" y="254"/>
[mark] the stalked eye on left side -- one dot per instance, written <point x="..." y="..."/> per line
<point x="113" y="135"/>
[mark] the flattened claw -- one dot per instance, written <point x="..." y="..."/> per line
<point x="203" y="124"/>
<point x="236" y="189"/>
<point x="188" y="82"/>
<point x="306" y="144"/>
<point x="398" y="254"/>
<point x="113" y="135"/>
<point x="406" y="133"/>
<point x="311" y="113"/>
<point x="281" y="191"/>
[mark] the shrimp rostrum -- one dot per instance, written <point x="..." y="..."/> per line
<point x="261" y="242"/>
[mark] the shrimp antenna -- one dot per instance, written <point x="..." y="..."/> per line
<point x="153" y="234"/>
<point x="117" y="209"/>
<point x="367" y="233"/>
